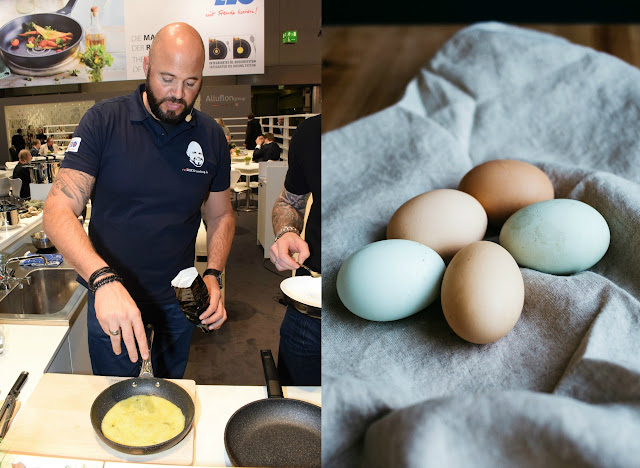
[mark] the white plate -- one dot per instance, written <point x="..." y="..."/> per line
<point x="304" y="289"/>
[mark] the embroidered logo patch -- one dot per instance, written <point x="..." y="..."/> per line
<point x="74" y="144"/>
<point x="194" y="152"/>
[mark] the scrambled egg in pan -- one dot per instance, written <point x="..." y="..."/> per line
<point x="143" y="420"/>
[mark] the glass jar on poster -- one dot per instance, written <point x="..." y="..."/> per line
<point x="24" y="6"/>
<point x="45" y="6"/>
<point x="95" y="34"/>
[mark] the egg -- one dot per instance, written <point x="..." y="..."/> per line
<point x="390" y="279"/>
<point x="503" y="186"/>
<point x="444" y="219"/>
<point x="482" y="293"/>
<point x="559" y="236"/>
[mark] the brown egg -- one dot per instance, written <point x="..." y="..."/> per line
<point x="503" y="186"/>
<point x="482" y="292"/>
<point x="445" y="220"/>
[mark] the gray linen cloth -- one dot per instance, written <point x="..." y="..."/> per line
<point x="563" y="387"/>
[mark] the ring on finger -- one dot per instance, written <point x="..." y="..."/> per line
<point x="275" y="262"/>
<point x="114" y="332"/>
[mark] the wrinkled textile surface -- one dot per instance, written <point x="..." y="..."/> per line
<point x="562" y="388"/>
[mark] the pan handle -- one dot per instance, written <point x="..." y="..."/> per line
<point x="66" y="10"/>
<point x="274" y="389"/>
<point x="146" y="371"/>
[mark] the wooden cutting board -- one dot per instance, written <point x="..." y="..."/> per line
<point x="56" y="422"/>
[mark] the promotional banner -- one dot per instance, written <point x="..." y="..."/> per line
<point x="226" y="101"/>
<point x="49" y="42"/>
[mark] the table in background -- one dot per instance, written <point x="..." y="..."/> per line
<point x="244" y="153"/>
<point x="247" y="170"/>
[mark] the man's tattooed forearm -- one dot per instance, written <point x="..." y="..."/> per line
<point x="298" y="202"/>
<point x="288" y="210"/>
<point x="73" y="184"/>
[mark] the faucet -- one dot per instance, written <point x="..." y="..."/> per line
<point x="6" y="274"/>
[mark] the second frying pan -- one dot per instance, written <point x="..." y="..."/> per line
<point x="276" y="431"/>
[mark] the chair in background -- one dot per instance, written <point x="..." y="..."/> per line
<point x="15" y="186"/>
<point x="4" y="187"/>
<point x="13" y="153"/>
<point x="236" y="186"/>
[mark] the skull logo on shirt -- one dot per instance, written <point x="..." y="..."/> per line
<point x="194" y="151"/>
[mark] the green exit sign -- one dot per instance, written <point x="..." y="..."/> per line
<point x="290" y="37"/>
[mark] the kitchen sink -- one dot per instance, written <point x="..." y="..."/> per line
<point x="52" y="296"/>
<point x="48" y="293"/>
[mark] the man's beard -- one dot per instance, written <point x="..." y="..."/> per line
<point x="169" y="117"/>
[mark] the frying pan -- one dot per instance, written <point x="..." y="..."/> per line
<point x="217" y="49"/>
<point x="246" y="48"/>
<point x="303" y="294"/>
<point x="23" y="57"/>
<point x="144" y="384"/>
<point x="275" y="431"/>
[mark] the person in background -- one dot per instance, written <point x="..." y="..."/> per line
<point x="35" y="149"/>
<point x="254" y="129"/>
<point x="23" y="173"/>
<point x="18" y="142"/>
<point x="30" y="138"/>
<point x="50" y="147"/>
<point x="227" y="132"/>
<point x="278" y="130"/>
<point x="41" y="136"/>
<point x="145" y="219"/>
<point x="266" y="149"/>
<point x="299" y="350"/>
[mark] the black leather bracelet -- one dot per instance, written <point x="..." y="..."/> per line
<point x="96" y="274"/>
<point x="109" y="279"/>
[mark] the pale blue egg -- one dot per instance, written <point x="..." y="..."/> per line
<point x="390" y="279"/>
<point x="558" y="236"/>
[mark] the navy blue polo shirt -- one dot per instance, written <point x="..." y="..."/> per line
<point x="149" y="189"/>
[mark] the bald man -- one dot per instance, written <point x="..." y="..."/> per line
<point x="151" y="164"/>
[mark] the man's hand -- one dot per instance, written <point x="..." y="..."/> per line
<point x="116" y="310"/>
<point x="260" y="140"/>
<point x="216" y="314"/>
<point x="290" y="243"/>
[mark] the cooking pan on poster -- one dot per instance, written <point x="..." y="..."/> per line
<point x="275" y="431"/>
<point x="144" y="384"/>
<point x="24" y="57"/>
<point x="217" y="49"/>
<point x="241" y="48"/>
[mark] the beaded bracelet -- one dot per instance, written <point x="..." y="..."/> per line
<point x="99" y="272"/>
<point x="109" y="279"/>
<point x="284" y="230"/>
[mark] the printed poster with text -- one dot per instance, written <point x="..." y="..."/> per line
<point x="232" y="31"/>
<point x="53" y="42"/>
